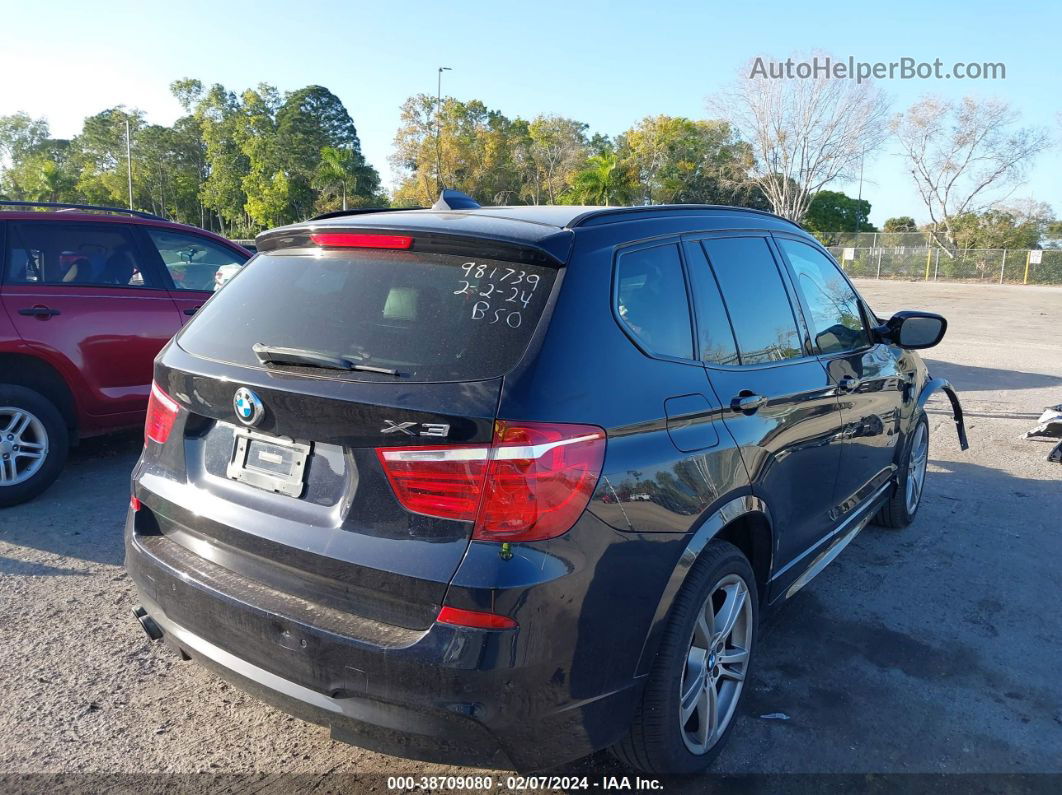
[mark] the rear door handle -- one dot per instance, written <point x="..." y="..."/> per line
<point x="747" y="402"/>
<point x="848" y="384"/>
<point x="191" y="310"/>
<point x="43" y="312"/>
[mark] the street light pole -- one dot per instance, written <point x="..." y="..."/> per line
<point x="438" y="129"/>
<point x="129" y="163"/>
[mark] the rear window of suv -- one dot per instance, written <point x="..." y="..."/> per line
<point x="431" y="317"/>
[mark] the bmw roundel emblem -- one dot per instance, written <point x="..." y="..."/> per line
<point x="249" y="409"/>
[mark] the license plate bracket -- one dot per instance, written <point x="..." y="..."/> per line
<point x="272" y="463"/>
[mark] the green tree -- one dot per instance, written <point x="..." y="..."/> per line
<point x="99" y="157"/>
<point x="47" y="179"/>
<point x="601" y="182"/>
<point x="901" y="223"/>
<point x="557" y="148"/>
<point x="265" y="184"/>
<point x="268" y="200"/>
<point x="308" y="122"/>
<point x="680" y="160"/>
<point x="831" y="213"/>
<point x="20" y="135"/>
<point x="340" y="173"/>
<point x="1023" y="225"/>
<point x="215" y="111"/>
<point x="476" y="152"/>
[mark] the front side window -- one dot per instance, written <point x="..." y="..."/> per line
<point x="194" y="262"/>
<point x="756" y="298"/>
<point x="85" y="255"/>
<point x="836" y="323"/>
<point x="651" y="300"/>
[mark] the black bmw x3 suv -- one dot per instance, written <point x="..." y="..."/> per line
<point x="508" y="485"/>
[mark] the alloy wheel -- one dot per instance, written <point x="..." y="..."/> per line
<point x="916" y="467"/>
<point x="23" y="445"/>
<point x="716" y="664"/>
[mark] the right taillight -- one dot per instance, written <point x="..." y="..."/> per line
<point x="161" y="414"/>
<point x="531" y="483"/>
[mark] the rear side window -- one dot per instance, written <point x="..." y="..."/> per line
<point x="760" y="311"/>
<point x="86" y="255"/>
<point x="194" y="262"/>
<point x="715" y="337"/>
<point x="836" y="322"/>
<point x="651" y="300"/>
<point x="431" y="317"/>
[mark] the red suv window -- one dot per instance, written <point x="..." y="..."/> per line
<point x="80" y="254"/>
<point x="194" y="262"/>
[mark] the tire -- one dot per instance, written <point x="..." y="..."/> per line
<point x="29" y="423"/>
<point x="659" y="741"/>
<point x="899" y="512"/>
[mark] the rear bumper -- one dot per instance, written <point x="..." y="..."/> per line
<point x="445" y="694"/>
<point x="387" y="728"/>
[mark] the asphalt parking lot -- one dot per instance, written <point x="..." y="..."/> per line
<point x="933" y="649"/>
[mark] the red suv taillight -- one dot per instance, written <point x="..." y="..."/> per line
<point x="161" y="413"/>
<point x="531" y="483"/>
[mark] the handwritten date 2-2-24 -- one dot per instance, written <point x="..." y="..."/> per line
<point x="500" y="291"/>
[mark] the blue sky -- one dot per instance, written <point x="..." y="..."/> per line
<point x="608" y="64"/>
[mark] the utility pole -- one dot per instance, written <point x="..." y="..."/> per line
<point x="438" y="129"/>
<point x="862" y="157"/>
<point x="129" y="162"/>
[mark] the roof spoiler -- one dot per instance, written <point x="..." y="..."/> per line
<point x="361" y="211"/>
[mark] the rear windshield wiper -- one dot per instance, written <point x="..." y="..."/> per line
<point x="273" y="354"/>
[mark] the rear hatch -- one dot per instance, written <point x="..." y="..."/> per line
<point x="293" y="382"/>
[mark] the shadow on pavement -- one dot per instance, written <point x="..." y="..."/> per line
<point x="82" y="514"/>
<point x="968" y="378"/>
<point x="900" y="626"/>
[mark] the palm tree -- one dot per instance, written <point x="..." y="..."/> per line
<point x="601" y="182"/>
<point x="339" y="172"/>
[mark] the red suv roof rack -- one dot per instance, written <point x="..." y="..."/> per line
<point x="93" y="207"/>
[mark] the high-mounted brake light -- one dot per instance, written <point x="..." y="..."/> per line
<point x="161" y="414"/>
<point x="476" y="619"/>
<point x="353" y="240"/>
<point x="531" y="483"/>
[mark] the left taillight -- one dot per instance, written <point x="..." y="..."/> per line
<point x="161" y="414"/>
<point x="530" y="484"/>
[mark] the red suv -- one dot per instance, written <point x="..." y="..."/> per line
<point x="88" y="296"/>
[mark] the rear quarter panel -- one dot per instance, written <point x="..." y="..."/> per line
<point x="584" y="369"/>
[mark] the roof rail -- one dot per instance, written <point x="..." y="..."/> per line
<point x="362" y="211"/>
<point x="67" y="206"/>
<point x="590" y="215"/>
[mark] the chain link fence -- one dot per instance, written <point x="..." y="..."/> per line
<point x="923" y="263"/>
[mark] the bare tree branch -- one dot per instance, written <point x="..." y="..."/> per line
<point x="805" y="133"/>
<point x="964" y="157"/>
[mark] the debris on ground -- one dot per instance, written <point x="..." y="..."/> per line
<point x="1050" y="427"/>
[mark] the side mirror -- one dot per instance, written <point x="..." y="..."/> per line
<point x="913" y="330"/>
